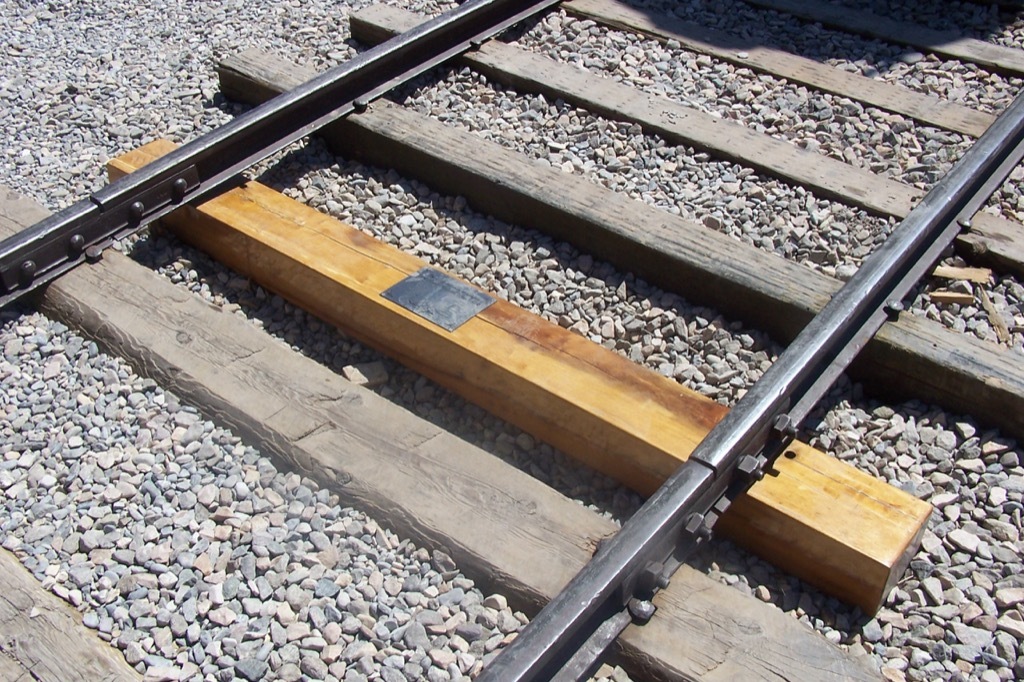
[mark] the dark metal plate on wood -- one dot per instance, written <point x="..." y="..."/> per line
<point x="434" y="296"/>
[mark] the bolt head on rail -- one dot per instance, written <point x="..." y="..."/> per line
<point x="178" y="189"/>
<point x="27" y="272"/>
<point x="751" y="467"/>
<point x="696" y="526"/>
<point x="76" y="244"/>
<point x="893" y="310"/>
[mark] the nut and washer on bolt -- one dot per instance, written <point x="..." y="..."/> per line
<point x="784" y="425"/>
<point x="751" y="467"/>
<point x="696" y="526"/>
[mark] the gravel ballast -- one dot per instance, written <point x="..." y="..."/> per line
<point x="193" y="554"/>
<point x="200" y="560"/>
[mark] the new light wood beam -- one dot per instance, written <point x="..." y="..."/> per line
<point x="822" y="520"/>
<point x="912" y="357"/>
<point x="506" y="530"/>
<point x="1007" y="60"/>
<point x="1002" y="240"/>
<point x="741" y="52"/>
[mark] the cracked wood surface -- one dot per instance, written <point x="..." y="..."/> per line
<point x="912" y="357"/>
<point x="994" y="240"/>
<point x="561" y="387"/>
<point x="506" y="530"/>
<point x="42" y="638"/>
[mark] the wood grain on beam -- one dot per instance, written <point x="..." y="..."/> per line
<point x="42" y="638"/>
<point x="993" y="240"/>
<point x="744" y="53"/>
<point x="912" y="357"/>
<point x="560" y="387"/>
<point x="506" y="530"/>
<point x="954" y="44"/>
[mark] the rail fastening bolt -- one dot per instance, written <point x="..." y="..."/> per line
<point x="27" y="271"/>
<point x="178" y="189"/>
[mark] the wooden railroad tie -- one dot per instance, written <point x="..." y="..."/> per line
<point x="824" y="521"/>
<point x="42" y="638"/>
<point x="419" y="480"/>
<point x="992" y="240"/>
<point x="742" y="53"/>
<point x="999" y="58"/>
<point x="912" y="357"/>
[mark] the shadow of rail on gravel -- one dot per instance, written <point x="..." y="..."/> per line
<point x="870" y="38"/>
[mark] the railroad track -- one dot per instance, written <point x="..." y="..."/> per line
<point x="980" y="376"/>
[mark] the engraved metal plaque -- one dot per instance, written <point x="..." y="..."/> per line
<point x="434" y="296"/>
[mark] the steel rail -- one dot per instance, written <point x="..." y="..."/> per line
<point x="630" y="567"/>
<point x="207" y="164"/>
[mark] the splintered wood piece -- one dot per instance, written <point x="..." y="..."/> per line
<point x="978" y="275"/>
<point x="996" y="319"/>
<point x="822" y="520"/>
<point x="948" y="297"/>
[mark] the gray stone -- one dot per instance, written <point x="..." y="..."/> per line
<point x="415" y="636"/>
<point x="313" y="667"/>
<point x="964" y="540"/>
<point x="1009" y="596"/>
<point x="358" y="649"/>
<point x="251" y="669"/>
<point x="872" y="631"/>
<point x="289" y="672"/>
<point x="971" y="636"/>
<point x="326" y="588"/>
<point x="1013" y="626"/>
